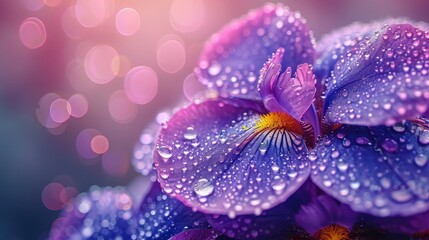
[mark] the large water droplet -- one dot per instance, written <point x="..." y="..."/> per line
<point x="279" y="186"/>
<point x="190" y="133"/>
<point x="401" y="195"/>
<point x="165" y="152"/>
<point x="362" y="141"/>
<point x="215" y="69"/>
<point x="263" y="147"/>
<point x="421" y="160"/>
<point x="389" y="145"/>
<point x="399" y="127"/>
<point x="203" y="188"/>
<point x="424" y="138"/>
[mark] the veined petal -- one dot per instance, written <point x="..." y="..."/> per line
<point x="359" y="166"/>
<point x="231" y="60"/>
<point x="221" y="158"/>
<point x="323" y="211"/>
<point x="161" y="217"/>
<point x="333" y="46"/>
<point x="381" y="80"/>
<point x="275" y="223"/>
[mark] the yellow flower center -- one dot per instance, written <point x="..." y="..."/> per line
<point x="281" y="120"/>
<point x="333" y="232"/>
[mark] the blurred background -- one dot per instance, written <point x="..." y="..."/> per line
<point x="80" y="79"/>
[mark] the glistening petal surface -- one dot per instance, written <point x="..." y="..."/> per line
<point x="335" y="46"/>
<point x="162" y="217"/>
<point x="383" y="80"/>
<point x="232" y="58"/>
<point x="196" y="234"/>
<point x="211" y="156"/>
<point x="357" y="166"/>
<point x="102" y="213"/>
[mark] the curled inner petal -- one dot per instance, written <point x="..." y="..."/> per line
<point x="293" y="95"/>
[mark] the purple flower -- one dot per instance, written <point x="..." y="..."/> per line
<point x="251" y="148"/>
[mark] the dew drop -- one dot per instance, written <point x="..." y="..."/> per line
<point x="263" y="147"/>
<point x="342" y="166"/>
<point x="335" y="154"/>
<point x="279" y="186"/>
<point x="312" y="157"/>
<point x="190" y="133"/>
<point x="275" y="167"/>
<point x="203" y="188"/>
<point x="346" y="142"/>
<point x="327" y="183"/>
<point x="399" y="127"/>
<point x="424" y="138"/>
<point x="362" y="141"/>
<point x="165" y="152"/>
<point x="215" y="69"/>
<point x="421" y="160"/>
<point x="401" y="195"/>
<point x="390" y="145"/>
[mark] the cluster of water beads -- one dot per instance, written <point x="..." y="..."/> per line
<point x="100" y="213"/>
<point x="142" y="159"/>
<point x="219" y="166"/>
<point x="161" y="217"/>
<point x="253" y="37"/>
<point x="378" y="168"/>
<point x="390" y="66"/>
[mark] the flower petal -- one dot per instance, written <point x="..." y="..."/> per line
<point x="102" y="213"/>
<point x="275" y="223"/>
<point x="293" y="95"/>
<point x="415" y="224"/>
<point x="381" y="80"/>
<point x="212" y="157"/>
<point x="231" y="60"/>
<point x="333" y="46"/>
<point x="323" y="211"/>
<point x="196" y="234"/>
<point x="358" y="166"/>
<point x="162" y="217"/>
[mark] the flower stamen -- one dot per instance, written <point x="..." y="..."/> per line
<point x="333" y="232"/>
<point x="276" y="120"/>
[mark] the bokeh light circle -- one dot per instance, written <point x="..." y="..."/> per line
<point x="192" y="88"/>
<point x="51" y="196"/>
<point x="83" y="143"/>
<point x="32" y="33"/>
<point x="187" y="15"/>
<point x="79" y="105"/>
<point x="99" y="144"/>
<point x="43" y="111"/>
<point x="100" y="64"/>
<point x="127" y="21"/>
<point x="60" y="110"/>
<point x="91" y="13"/>
<point x="52" y="3"/>
<point x="141" y="84"/>
<point x="121" y="109"/>
<point x="171" y="55"/>
<point x="115" y="163"/>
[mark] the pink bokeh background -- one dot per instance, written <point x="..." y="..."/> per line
<point x="80" y="79"/>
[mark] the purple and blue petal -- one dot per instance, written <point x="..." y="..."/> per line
<point x="275" y="223"/>
<point x="196" y="234"/>
<point x="232" y="58"/>
<point x="381" y="80"/>
<point x="162" y="217"/>
<point x="212" y="156"/>
<point x="361" y="166"/>
<point x="284" y="93"/>
<point x="323" y="211"/>
<point x="99" y="214"/>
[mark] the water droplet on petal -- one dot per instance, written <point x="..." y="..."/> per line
<point x="421" y="160"/>
<point x="424" y="138"/>
<point x="399" y="127"/>
<point x="203" y="188"/>
<point x="362" y="141"/>
<point x="165" y="152"/>
<point x="401" y="195"/>
<point x="190" y="133"/>
<point x="215" y="69"/>
<point x="389" y="145"/>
